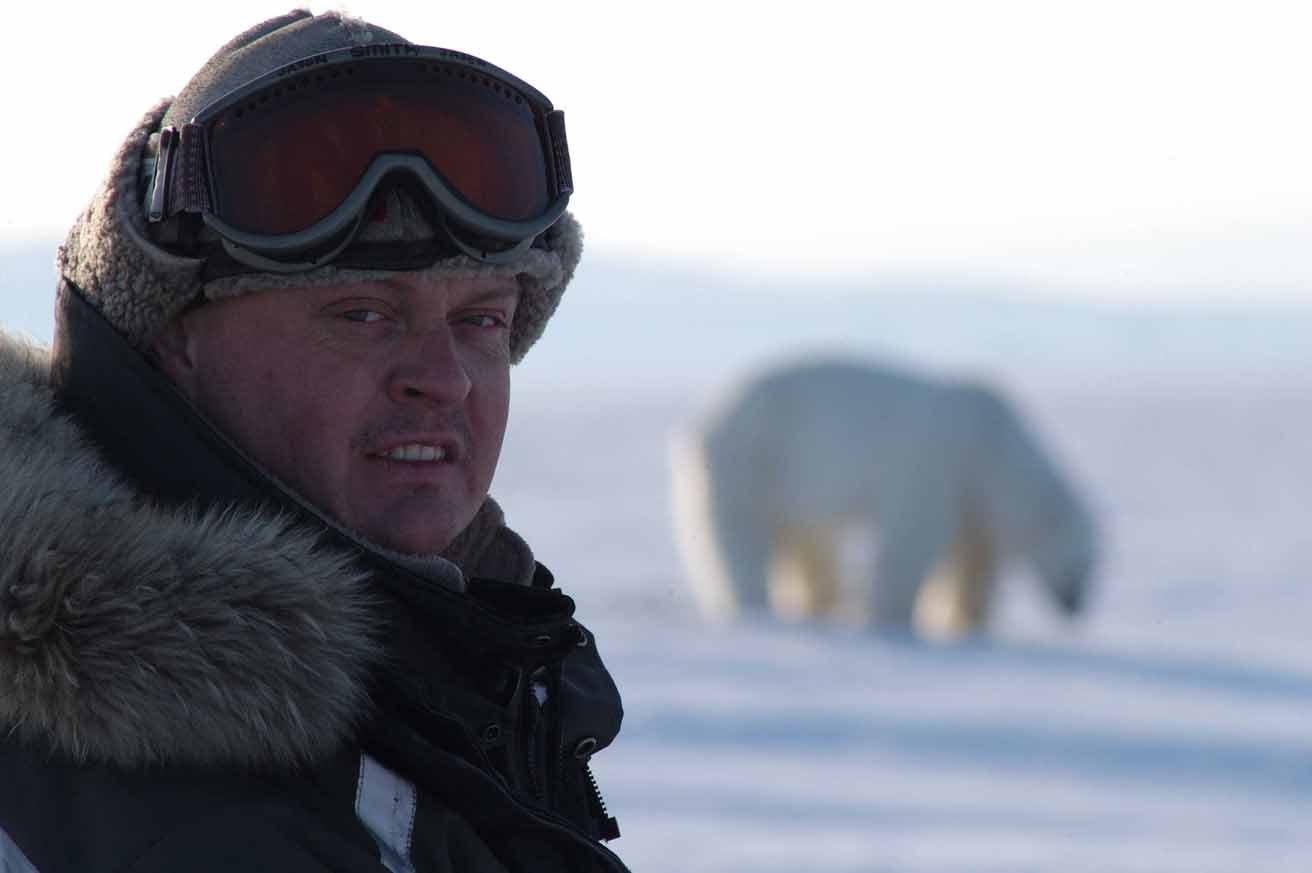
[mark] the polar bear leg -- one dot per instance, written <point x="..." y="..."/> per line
<point x="957" y="598"/>
<point x="804" y="571"/>
<point x="745" y="549"/>
<point x="905" y="560"/>
<point x="724" y="548"/>
<point x="917" y="525"/>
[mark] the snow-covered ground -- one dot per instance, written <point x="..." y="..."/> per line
<point x="1169" y="731"/>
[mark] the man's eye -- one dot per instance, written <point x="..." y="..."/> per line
<point x="363" y="316"/>
<point x="484" y="320"/>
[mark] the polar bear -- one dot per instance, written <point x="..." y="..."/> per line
<point x="770" y="481"/>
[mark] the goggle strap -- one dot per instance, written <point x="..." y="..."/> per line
<point x="163" y="172"/>
<point x="188" y="188"/>
<point x="560" y="151"/>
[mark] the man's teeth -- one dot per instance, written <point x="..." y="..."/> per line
<point x="415" y="452"/>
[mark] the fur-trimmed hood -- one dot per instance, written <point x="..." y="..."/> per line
<point x="132" y="633"/>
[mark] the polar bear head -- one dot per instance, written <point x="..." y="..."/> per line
<point x="1065" y="551"/>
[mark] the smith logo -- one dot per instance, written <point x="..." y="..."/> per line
<point x="302" y="64"/>
<point x="390" y="50"/>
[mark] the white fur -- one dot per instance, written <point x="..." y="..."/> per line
<point x="778" y="482"/>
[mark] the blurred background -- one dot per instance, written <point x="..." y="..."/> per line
<point x="1102" y="210"/>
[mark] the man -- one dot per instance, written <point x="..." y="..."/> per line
<point x="257" y="610"/>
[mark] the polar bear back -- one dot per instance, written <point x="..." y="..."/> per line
<point x="826" y="438"/>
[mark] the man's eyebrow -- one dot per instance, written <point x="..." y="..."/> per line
<point x="500" y="292"/>
<point x="506" y="289"/>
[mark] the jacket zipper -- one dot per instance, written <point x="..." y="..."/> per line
<point x="607" y="826"/>
<point x="568" y="828"/>
<point x="534" y="706"/>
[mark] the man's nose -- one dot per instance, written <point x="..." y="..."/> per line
<point x="428" y="367"/>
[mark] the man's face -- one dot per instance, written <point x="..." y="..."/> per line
<point x="384" y="403"/>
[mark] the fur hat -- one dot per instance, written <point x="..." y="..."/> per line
<point x="139" y="286"/>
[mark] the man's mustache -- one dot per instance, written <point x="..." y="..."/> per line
<point x="449" y="423"/>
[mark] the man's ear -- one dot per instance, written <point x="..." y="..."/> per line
<point x="172" y="351"/>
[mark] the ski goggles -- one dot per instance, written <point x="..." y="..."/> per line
<point x="283" y="169"/>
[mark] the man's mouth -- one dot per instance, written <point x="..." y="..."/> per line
<point x="412" y="452"/>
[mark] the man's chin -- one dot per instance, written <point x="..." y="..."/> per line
<point x="414" y="533"/>
<point x="421" y="544"/>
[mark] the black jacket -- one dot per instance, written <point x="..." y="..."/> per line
<point x="198" y="672"/>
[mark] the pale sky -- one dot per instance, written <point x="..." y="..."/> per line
<point x="1126" y="150"/>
